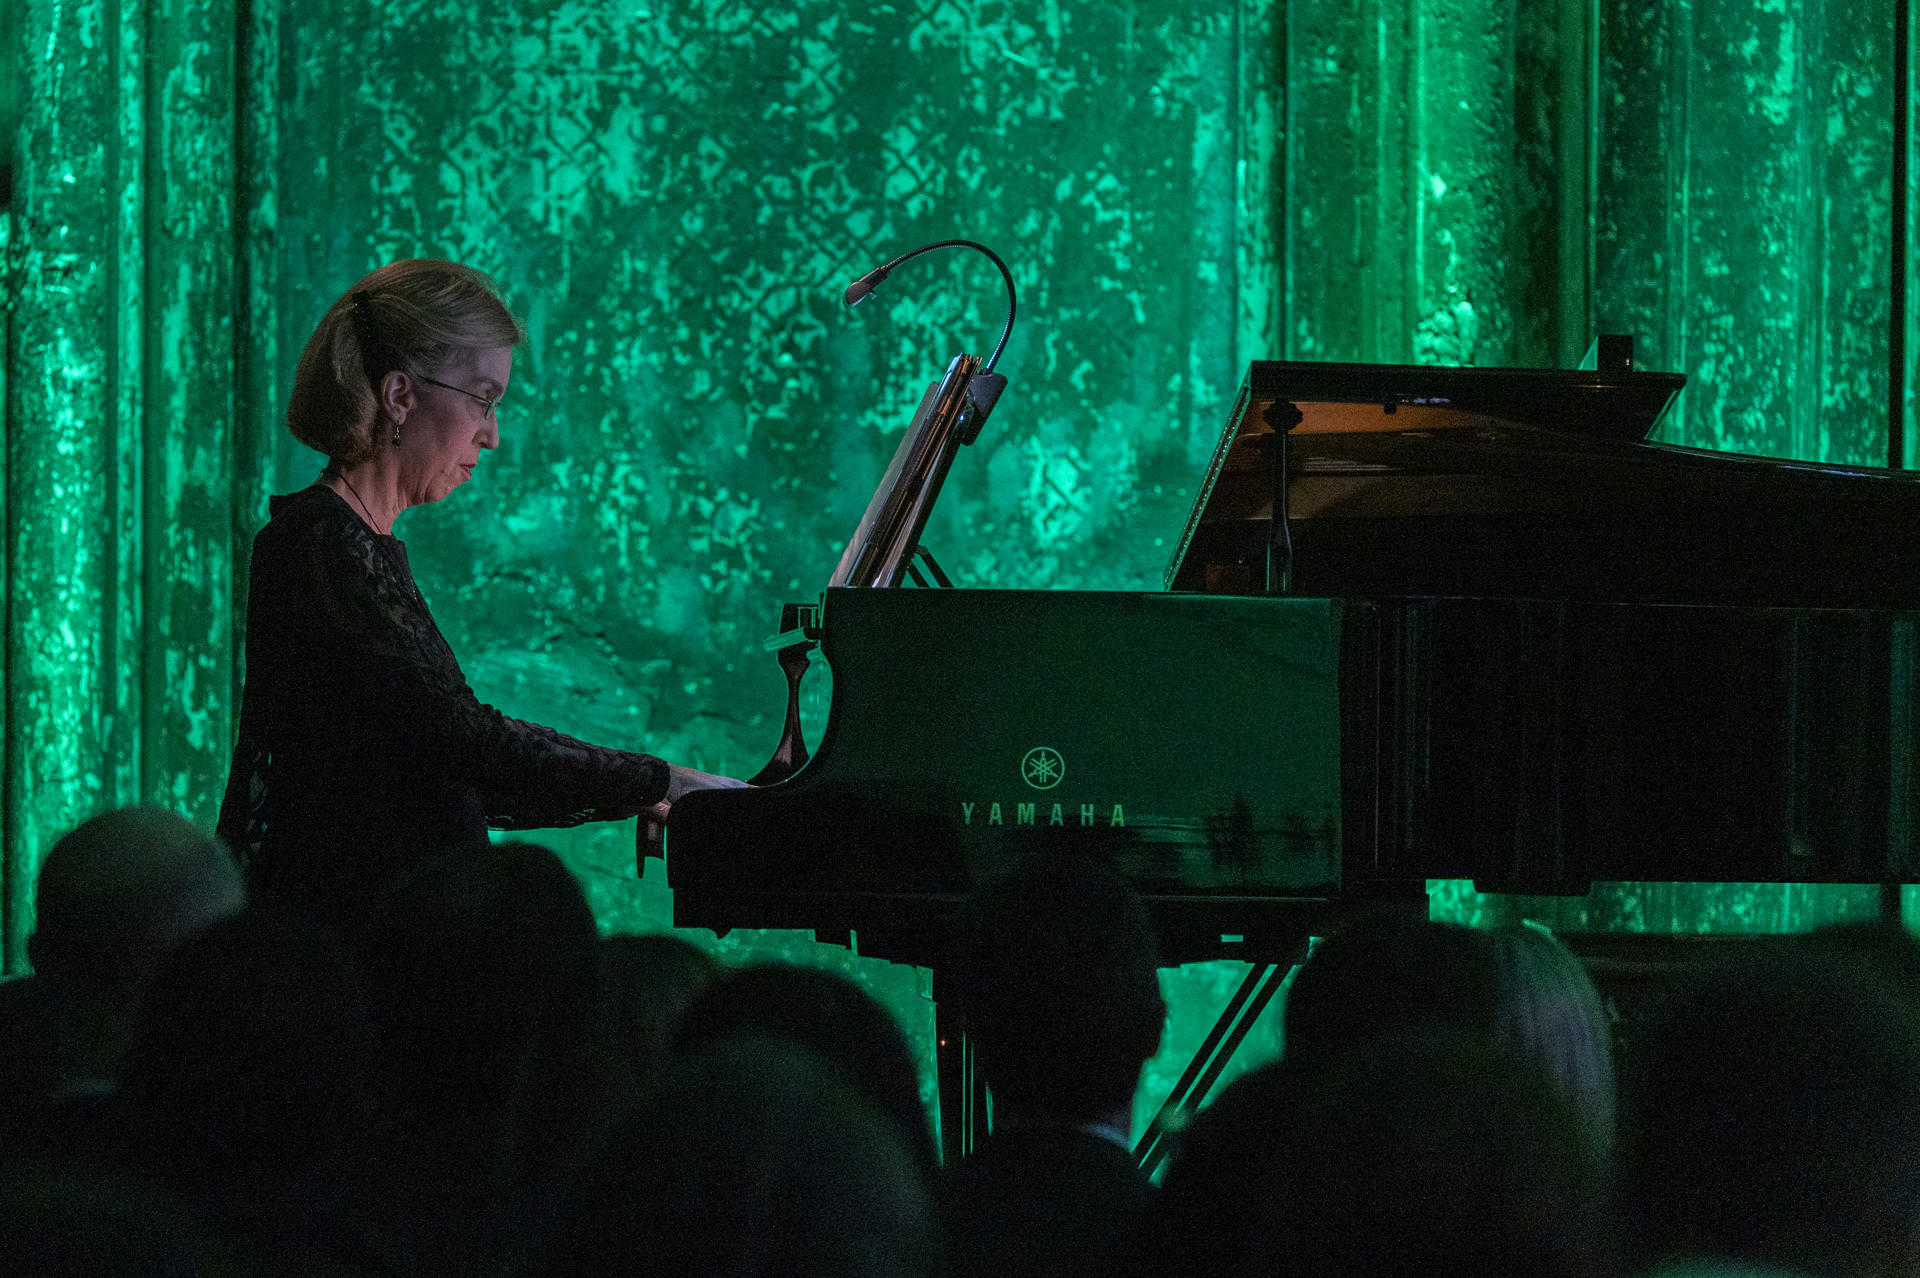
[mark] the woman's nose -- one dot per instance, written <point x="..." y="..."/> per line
<point x="489" y="436"/>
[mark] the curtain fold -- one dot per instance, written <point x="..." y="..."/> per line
<point x="120" y="414"/>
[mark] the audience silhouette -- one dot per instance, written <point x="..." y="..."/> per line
<point x="753" y="1160"/>
<point x="1773" y="1122"/>
<point x="112" y="900"/>
<point x="1382" y="975"/>
<point x="477" y="1084"/>
<point x="1055" y="970"/>
<point x="247" y="1092"/>
<point x="1549" y="1010"/>
<point x="492" y="1083"/>
<point x="1388" y="973"/>
<point x="841" y="1023"/>
<point x="1432" y="1156"/>
<point x="646" y="985"/>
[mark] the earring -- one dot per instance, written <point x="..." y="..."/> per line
<point x="396" y="434"/>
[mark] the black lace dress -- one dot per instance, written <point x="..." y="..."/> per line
<point x="362" y="752"/>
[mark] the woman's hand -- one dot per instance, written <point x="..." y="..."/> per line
<point x="685" y="780"/>
<point x="680" y="781"/>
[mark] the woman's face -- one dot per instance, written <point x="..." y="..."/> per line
<point x="447" y="427"/>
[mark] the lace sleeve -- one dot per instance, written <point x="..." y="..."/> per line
<point x="242" y="823"/>
<point x="511" y="807"/>
<point x="528" y="775"/>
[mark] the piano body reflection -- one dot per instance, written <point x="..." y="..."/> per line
<point x="1517" y="644"/>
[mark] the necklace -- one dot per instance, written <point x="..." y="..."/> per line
<point x="342" y="477"/>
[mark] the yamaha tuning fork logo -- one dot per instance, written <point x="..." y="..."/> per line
<point x="1044" y="768"/>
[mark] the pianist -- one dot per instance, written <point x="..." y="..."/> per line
<point x="361" y="750"/>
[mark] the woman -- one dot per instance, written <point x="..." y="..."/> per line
<point x="362" y="752"/>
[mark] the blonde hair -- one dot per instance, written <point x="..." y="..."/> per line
<point x="410" y="316"/>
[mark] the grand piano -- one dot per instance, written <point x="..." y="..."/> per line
<point x="1518" y="645"/>
<point x="1421" y="623"/>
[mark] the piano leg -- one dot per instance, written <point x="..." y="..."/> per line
<point x="963" y="1091"/>
<point x="1263" y="981"/>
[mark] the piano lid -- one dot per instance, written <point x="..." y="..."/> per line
<point x="1339" y="398"/>
<point x="1387" y="406"/>
<point x="1534" y="484"/>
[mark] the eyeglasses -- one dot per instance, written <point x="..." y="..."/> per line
<point x="486" y="405"/>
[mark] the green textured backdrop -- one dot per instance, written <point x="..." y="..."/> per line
<point x="675" y="195"/>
